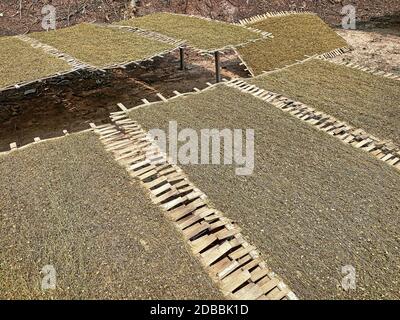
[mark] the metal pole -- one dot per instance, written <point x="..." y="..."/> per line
<point x="217" y="67"/>
<point x="182" y="54"/>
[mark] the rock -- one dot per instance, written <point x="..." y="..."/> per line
<point x="30" y="91"/>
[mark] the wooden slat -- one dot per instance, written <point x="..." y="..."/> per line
<point x="234" y="280"/>
<point x="241" y="252"/>
<point x="215" y="253"/>
<point x="219" y="266"/>
<point x="225" y="233"/>
<point x="187" y="222"/>
<point x="195" y="229"/>
<point x="202" y="243"/>
<point x="258" y="274"/>
<point x="268" y="285"/>
<point x="249" y="292"/>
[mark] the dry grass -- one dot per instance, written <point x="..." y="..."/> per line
<point x="294" y="37"/>
<point x="359" y="98"/>
<point x="19" y="62"/>
<point x="101" y="46"/>
<point x="68" y="204"/>
<point x="200" y="33"/>
<point x="313" y="204"/>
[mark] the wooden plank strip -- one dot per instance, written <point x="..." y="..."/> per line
<point x="200" y="244"/>
<point x="259" y="274"/>
<point x="217" y="267"/>
<point x="158" y="191"/>
<point x="249" y="265"/>
<point x="188" y="221"/>
<point x="155" y="182"/>
<point x="269" y="285"/>
<point x="195" y="229"/>
<point x="173" y="203"/>
<point x="229" y="268"/>
<point x="165" y="196"/>
<point x="241" y="252"/>
<point x="148" y="175"/>
<point x="215" y="253"/>
<point x="277" y="294"/>
<point x="249" y="292"/>
<point x="234" y="280"/>
<point x="225" y="233"/>
<point x="181" y="212"/>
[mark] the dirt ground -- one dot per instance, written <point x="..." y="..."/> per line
<point x="71" y="206"/>
<point x="376" y="48"/>
<point x="313" y="205"/>
<point x="25" y="15"/>
<point x="72" y="102"/>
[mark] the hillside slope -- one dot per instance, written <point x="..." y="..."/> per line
<point x="24" y="16"/>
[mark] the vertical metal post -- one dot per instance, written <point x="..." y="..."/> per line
<point x="217" y="67"/>
<point x="182" y="54"/>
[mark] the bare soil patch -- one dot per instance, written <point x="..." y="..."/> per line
<point x="72" y="102"/>
<point x="379" y="49"/>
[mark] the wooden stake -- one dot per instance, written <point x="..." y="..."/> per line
<point x="182" y="58"/>
<point x="217" y="67"/>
